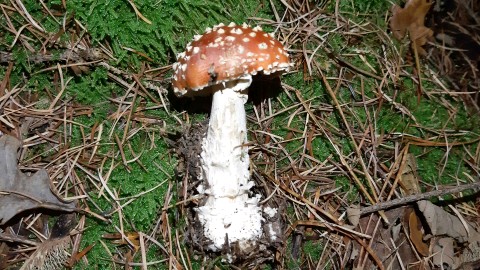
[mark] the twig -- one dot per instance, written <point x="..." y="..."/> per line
<point x="16" y="239"/>
<point x="417" y="197"/>
<point x="138" y="12"/>
<point x="342" y="62"/>
<point x="72" y="55"/>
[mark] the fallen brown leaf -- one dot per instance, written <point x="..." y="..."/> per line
<point x="442" y="223"/>
<point x="4" y="255"/>
<point x="443" y="252"/>
<point x="409" y="181"/>
<point x="447" y="226"/>
<point x="409" y="178"/>
<point x="20" y="192"/>
<point x="416" y="234"/>
<point x="132" y="239"/>
<point x="389" y="243"/>
<point x="411" y="20"/>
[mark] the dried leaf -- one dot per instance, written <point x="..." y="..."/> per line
<point x="132" y="238"/>
<point x="79" y="69"/>
<point x="389" y="243"/>
<point x="353" y="215"/>
<point x="409" y="179"/>
<point x="470" y="257"/>
<point x="416" y="234"/>
<point x="443" y="253"/>
<point x="411" y="20"/>
<point x="20" y="192"/>
<point x="4" y="255"/>
<point x="442" y="223"/>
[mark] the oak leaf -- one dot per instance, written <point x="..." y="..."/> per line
<point x="447" y="226"/>
<point x="20" y="192"/>
<point x="411" y="20"/>
<point x="442" y="223"/>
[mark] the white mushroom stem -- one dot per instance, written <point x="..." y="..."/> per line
<point x="229" y="213"/>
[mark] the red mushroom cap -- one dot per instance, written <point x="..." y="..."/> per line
<point x="227" y="53"/>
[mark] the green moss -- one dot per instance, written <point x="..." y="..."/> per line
<point x="116" y="21"/>
<point x="174" y="22"/>
<point x="363" y="8"/>
<point x="314" y="249"/>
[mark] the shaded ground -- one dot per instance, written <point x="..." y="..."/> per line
<point x="362" y="121"/>
<point x="456" y="26"/>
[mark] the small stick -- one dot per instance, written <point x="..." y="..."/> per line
<point x="416" y="197"/>
<point x="70" y="55"/>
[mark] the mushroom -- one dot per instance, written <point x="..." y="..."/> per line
<point x="221" y="62"/>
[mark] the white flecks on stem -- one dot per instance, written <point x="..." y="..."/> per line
<point x="229" y="212"/>
<point x="271" y="212"/>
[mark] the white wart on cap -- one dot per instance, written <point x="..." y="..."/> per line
<point x="225" y="53"/>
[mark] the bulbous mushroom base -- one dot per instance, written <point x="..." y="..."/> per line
<point x="229" y="221"/>
<point x="244" y="253"/>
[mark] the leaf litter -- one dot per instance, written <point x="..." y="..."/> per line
<point x="410" y="20"/>
<point x="20" y="192"/>
<point x="293" y="178"/>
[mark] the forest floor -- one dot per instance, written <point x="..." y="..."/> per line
<point x="369" y="147"/>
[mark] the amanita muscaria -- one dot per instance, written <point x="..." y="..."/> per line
<point x="222" y="62"/>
